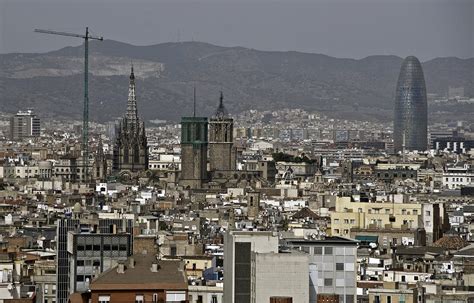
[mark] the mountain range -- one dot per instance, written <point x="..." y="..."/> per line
<point x="52" y="83"/>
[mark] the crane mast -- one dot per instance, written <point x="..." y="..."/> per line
<point x="85" y="114"/>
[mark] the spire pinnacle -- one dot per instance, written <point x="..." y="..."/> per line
<point x="132" y="75"/>
<point x="194" y="101"/>
<point x="132" y="113"/>
<point x="221" y="111"/>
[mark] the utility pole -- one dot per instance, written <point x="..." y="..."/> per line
<point x="85" y="114"/>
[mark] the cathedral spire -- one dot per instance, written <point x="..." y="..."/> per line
<point x="132" y="114"/>
<point x="221" y="111"/>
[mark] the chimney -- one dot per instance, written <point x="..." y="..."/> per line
<point x="154" y="267"/>
<point x="131" y="262"/>
<point x="121" y="268"/>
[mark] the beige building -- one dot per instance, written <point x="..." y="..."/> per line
<point x="362" y="215"/>
<point x="386" y="295"/>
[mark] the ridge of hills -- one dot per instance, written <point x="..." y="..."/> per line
<point x="52" y="83"/>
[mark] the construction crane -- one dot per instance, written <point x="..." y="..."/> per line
<point x="85" y="117"/>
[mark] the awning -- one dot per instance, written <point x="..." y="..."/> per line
<point x="368" y="239"/>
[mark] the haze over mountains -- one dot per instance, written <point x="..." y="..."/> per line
<point x="52" y="83"/>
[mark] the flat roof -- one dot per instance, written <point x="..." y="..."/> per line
<point x="327" y="240"/>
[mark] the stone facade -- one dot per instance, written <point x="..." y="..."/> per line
<point x="221" y="141"/>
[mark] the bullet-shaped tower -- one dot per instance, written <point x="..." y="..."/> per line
<point x="410" y="126"/>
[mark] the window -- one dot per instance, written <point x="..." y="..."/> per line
<point x="336" y="231"/>
<point x="346" y="221"/>
<point x="305" y="249"/>
<point x="353" y="221"/>
<point x="415" y="278"/>
<point x="339" y="266"/>
<point x="336" y="221"/>
<point x="428" y="213"/>
<point x="415" y="211"/>
<point x="318" y="250"/>
<point x="389" y="299"/>
<point x="155" y="298"/>
<point x="404" y="279"/>
<point x="387" y="210"/>
<point x="175" y="296"/>
<point x="328" y="250"/>
<point x="139" y="299"/>
<point x="327" y="282"/>
<point x="104" y="298"/>
<point x="214" y="299"/>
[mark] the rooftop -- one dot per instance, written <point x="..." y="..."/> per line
<point x="169" y="275"/>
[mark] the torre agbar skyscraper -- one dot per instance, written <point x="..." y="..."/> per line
<point x="411" y="113"/>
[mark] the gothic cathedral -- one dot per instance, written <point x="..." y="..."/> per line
<point x="131" y="147"/>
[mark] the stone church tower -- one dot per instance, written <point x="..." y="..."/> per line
<point x="221" y="141"/>
<point x="131" y="147"/>
<point x="194" y="140"/>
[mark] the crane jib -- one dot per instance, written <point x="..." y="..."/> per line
<point x="85" y="122"/>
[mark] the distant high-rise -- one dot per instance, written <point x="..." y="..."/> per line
<point x="411" y="114"/>
<point x="24" y="125"/>
<point x="131" y="147"/>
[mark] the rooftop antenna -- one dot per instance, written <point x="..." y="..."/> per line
<point x="194" y="101"/>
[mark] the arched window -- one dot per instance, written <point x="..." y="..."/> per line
<point x="126" y="155"/>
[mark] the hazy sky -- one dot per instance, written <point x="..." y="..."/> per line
<point x="349" y="28"/>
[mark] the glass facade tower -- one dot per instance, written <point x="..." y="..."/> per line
<point x="411" y="109"/>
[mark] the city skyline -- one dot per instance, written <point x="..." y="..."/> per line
<point x="203" y="173"/>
